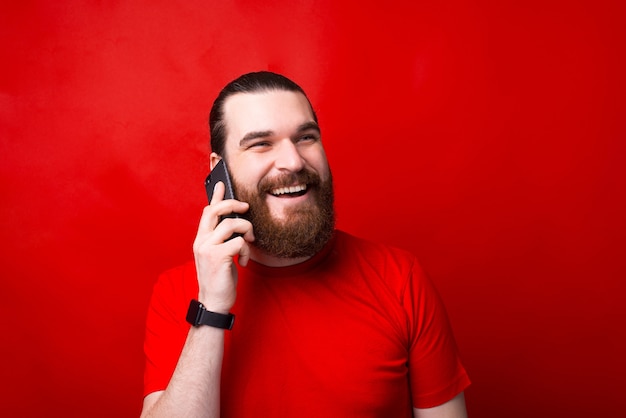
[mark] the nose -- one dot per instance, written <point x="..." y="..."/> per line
<point x="288" y="157"/>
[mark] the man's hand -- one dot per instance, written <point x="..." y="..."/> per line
<point x="194" y="390"/>
<point x="214" y="257"/>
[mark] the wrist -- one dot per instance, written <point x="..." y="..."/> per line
<point x="215" y="304"/>
<point x="198" y="314"/>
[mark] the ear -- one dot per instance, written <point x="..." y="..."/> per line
<point x="214" y="159"/>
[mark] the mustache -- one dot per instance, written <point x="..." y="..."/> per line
<point x="305" y="176"/>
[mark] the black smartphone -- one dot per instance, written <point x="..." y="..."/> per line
<point x="220" y="173"/>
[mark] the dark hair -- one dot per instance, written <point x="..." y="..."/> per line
<point x="255" y="82"/>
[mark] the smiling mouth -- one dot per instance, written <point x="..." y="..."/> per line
<point x="292" y="191"/>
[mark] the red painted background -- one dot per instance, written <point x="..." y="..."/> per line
<point x="485" y="136"/>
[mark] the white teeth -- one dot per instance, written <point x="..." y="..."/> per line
<point x="292" y="189"/>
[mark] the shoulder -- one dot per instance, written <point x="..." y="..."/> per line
<point x="178" y="272"/>
<point x="177" y="283"/>
<point x="391" y="265"/>
<point x="362" y="249"/>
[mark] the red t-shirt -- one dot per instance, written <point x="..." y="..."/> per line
<point x="356" y="331"/>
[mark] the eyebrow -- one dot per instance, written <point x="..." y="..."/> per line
<point x="306" y="126"/>
<point x="254" y="135"/>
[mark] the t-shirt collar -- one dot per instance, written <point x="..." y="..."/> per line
<point x="310" y="264"/>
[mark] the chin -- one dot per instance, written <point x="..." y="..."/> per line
<point x="280" y="217"/>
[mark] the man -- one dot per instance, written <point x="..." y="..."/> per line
<point x="328" y="325"/>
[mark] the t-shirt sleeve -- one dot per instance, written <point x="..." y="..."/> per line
<point x="166" y="328"/>
<point x="435" y="369"/>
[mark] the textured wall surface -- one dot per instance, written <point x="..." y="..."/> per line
<point x="487" y="137"/>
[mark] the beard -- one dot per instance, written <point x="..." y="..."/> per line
<point x="304" y="229"/>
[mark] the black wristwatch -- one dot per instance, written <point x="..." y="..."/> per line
<point x="198" y="315"/>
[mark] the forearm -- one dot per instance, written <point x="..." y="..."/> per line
<point x="454" y="408"/>
<point x="194" y="389"/>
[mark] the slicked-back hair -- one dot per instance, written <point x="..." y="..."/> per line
<point x="255" y="82"/>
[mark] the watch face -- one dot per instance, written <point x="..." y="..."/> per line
<point x="193" y="313"/>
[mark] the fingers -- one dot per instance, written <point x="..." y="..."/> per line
<point x="232" y="226"/>
<point x="219" y="208"/>
<point x="216" y="227"/>
<point x="218" y="192"/>
<point x="244" y="255"/>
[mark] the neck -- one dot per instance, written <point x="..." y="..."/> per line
<point x="268" y="260"/>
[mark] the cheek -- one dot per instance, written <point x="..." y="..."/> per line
<point x="244" y="185"/>
<point x="317" y="160"/>
<point x="248" y="172"/>
<point x="323" y="169"/>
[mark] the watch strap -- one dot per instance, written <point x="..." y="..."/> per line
<point x="197" y="315"/>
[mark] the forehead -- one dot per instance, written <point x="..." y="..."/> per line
<point x="277" y="111"/>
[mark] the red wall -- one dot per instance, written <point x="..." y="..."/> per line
<point x="487" y="137"/>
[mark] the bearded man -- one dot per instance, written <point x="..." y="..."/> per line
<point x="328" y="325"/>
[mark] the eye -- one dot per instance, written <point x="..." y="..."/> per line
<point x="260" y="144"/>
<point x="309" y="138"/>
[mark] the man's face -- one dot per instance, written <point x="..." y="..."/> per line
<point x="277" y="161"/>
